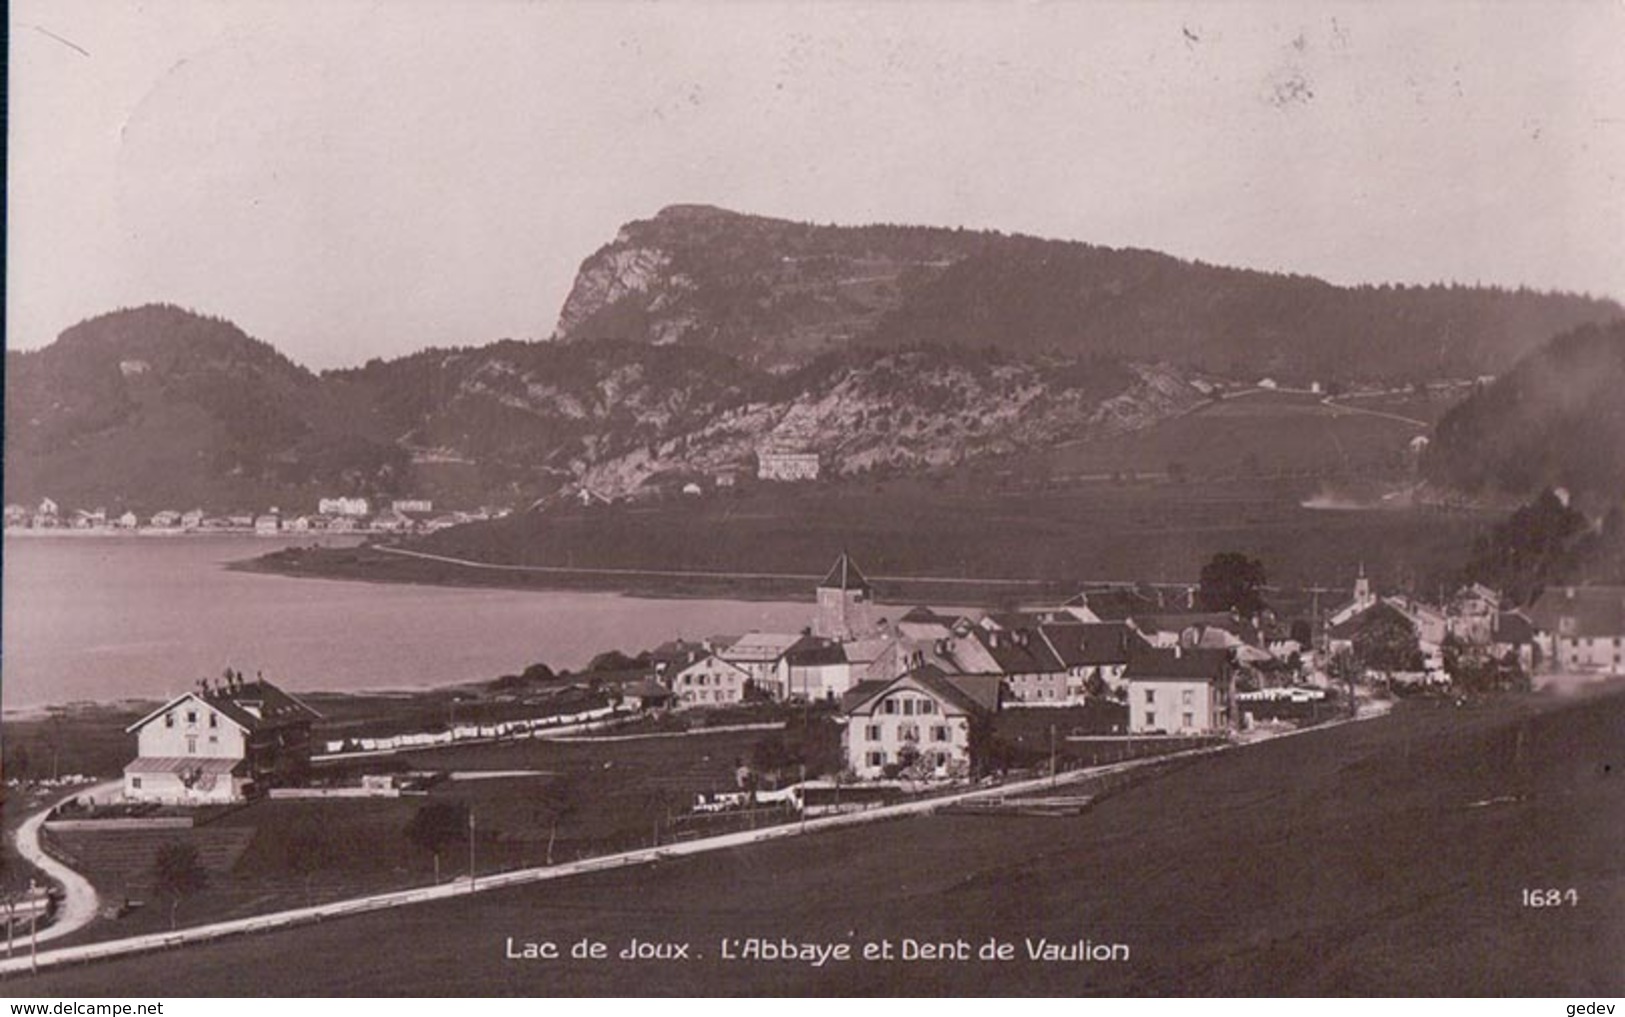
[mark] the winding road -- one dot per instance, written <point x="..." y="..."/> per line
<point x="79" y="899"/>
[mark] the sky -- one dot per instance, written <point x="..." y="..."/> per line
<point x="356" y="180"/>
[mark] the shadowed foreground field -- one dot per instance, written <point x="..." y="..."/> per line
<point x="1387" y="857"/>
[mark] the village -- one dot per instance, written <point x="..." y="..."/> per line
<point x="335" y="515"/>
<point x="909" y="704"/>
<point x="908" y="692"/>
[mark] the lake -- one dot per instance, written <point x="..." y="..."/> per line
<point x="122" y="617"/>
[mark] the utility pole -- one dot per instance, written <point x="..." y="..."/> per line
<point x="471" y="840"/>
<point x="1052" y="755"/>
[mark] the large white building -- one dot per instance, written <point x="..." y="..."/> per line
<point x="1178" y="691"/>
<point x="218" y="744"/>
<point x="778" y="465"/>
<point x="922" y="718"/>
<point x="354" y="507"/>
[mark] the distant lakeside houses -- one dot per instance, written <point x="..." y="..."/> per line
<point x="338" y="515"/>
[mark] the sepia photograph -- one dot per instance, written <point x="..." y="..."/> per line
<point x="529" y="498"/>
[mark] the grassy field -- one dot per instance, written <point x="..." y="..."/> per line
<point x="611" y="796"/>
<point x="1382" y="858"/>
<point x="1152" y="505"/>
<point x="1048" y="539"/>
<point x="1260" y="433"/>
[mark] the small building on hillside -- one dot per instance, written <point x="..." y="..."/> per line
<point x="343" y="506"/>
<point x="1179" y="691"/>
<point x="921" y="719"/>
<point x="776" y="464"/>
<point x="646" y="694"/>
<point x="219" y="744"/>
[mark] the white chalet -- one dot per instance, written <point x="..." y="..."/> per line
<point x="924" y="715"/>
<point x="219" y="744"/>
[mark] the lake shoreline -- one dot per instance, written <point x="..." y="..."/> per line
<point x="371" y="565"/>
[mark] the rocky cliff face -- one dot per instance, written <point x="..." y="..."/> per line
<point x="773" y="293"/>
<point x="914" y="410"/>
<point x="778" y="294"/>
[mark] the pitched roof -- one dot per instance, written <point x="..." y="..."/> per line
<point x="969" y="693"/>
<point x="253" y="706"/>
<point x="1514" y="628"/>
<point x="1347" y="628"/>
<point x="181" y="764"/>
<point x="844" y="576"/>
<point x="1018" y="651"/>
<point x="646" y="689"/>
<point x="1588" y="610"/>
<point x="760" y="646"/>
<point x="1178" y="665"/>
<point x="1115" y="603"/>
<point x="812" y="651"/>
<point x="1088" y="645"/>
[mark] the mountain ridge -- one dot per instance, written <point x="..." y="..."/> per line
<point x="693" y="338"/>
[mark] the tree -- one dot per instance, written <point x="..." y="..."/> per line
<point x="178" y="873"/>
<point x="1302" y="632"/>
<point x="557" y="801"/>
<point x="1232" y="582"/>
<point x="1388" y="643"/>
<point x="538" y="673"/>
<point x="1344" y="669"/>
<point x="612" y="660"/>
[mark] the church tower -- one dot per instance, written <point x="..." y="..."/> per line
<point x="845" y="603"/>
<point x="1362" y="590"/>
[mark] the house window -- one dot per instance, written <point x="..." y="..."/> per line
<point x="214" y="739"/>
<point x="889" y="707"/>
<point x="876" y="759"/>
<point x="191" y="745"/>
<point x="1187" y="697"/>
<point x="169" y="720"/>
<point x="1150" y="695"/>
<point x="1150" y="718"/>
<point x="939" y="733"/>
<point x="135" y="782"/>
<point x="929" y="706"/>
<point x="908" y="732"/>
<point x="214" y="720"/>
<point x="1190" y="719"/>
<point x="191" y="716"/>
<point x="872" y="732"/>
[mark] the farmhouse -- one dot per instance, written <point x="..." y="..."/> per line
<point x="219" y="744"/>
<point x="1581" y="628"/>
<point x="921" y="719"/>
<point x="1179" y="691"/>
<point x="760" y="655"/>
<point x="711" y="681"/>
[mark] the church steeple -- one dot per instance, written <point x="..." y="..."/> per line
<point x="845" y="602"/>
